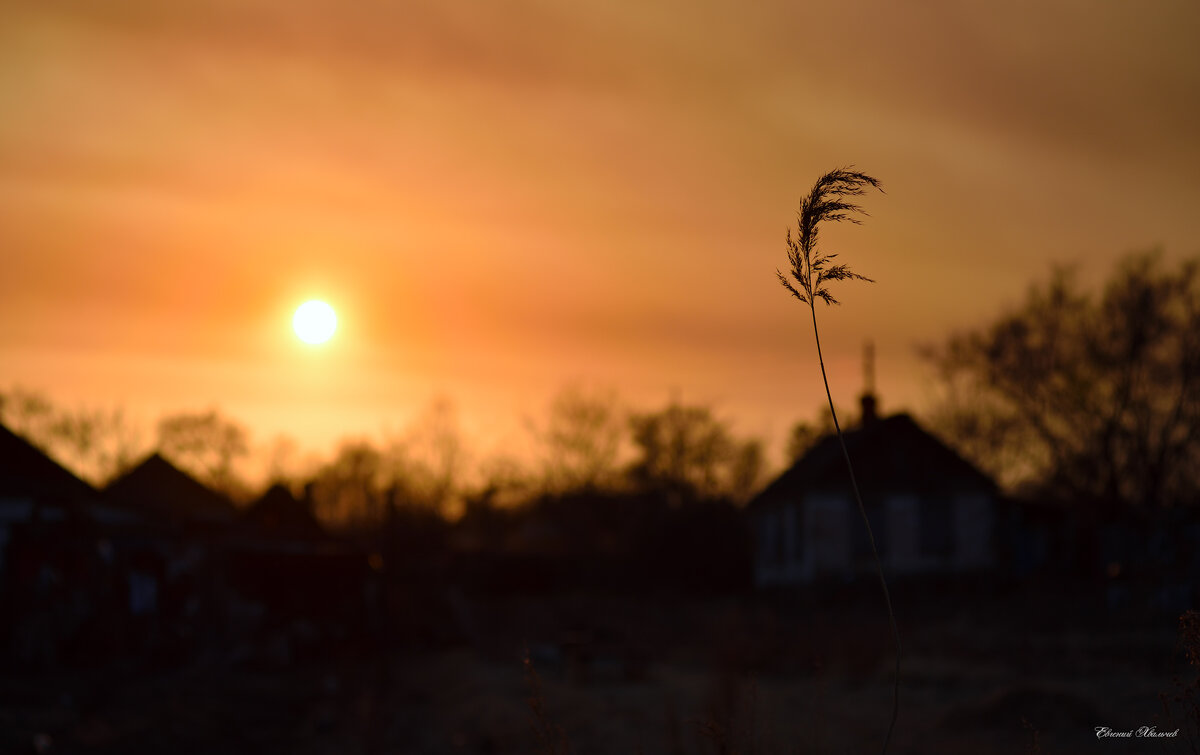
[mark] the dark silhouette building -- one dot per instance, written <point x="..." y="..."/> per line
<point x="932" y="512"/>
<point x="161" y="493"/>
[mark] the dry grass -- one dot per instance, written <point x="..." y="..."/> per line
<point x="970" y="677"/>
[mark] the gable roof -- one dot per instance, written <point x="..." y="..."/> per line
<point x="892" y="454"/>
<point x="158" y="489"/>
<point x="27" y="472"/>
<point x="281" y="515"/>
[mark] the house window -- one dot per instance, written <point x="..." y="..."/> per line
<point x="794" y="523"/>
<point x="862" y="542"/>
<point x="974" y="521"/>
<point x="937" y="528"/>
<point x="772" y="537"/>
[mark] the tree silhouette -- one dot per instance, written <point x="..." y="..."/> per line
<point x="100" y="444"/>
<point x="349" y="491"/>
<point x="805" y="434"/>
<point x="428" y="461"/>
<point x="1086" y="399"/>
<point x="685" y="453"/>
<point x="206" y="444"/>
<point x="812" y="270"/>
<point x="581" y="440"/>
<point x="96" y="444"/>
<point x="418" y="470"/>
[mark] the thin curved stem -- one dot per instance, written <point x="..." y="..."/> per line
<point x="887" y="596"/>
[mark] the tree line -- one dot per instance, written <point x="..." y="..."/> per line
<point x="588" y="442"/>
<point x="1090" y="397"/>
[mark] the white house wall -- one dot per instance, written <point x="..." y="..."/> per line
<point x="902" y="548"/>
<point x="974" y="521"/>
<point x="780" y="552"/>
<point x="800" y="541"/>
<point x="829" y="550"/>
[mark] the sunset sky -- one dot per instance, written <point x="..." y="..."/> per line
<point x="500" y="199"/>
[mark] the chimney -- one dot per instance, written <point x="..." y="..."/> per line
<point x="869" y="413"/>
<point x="870" y="405"/>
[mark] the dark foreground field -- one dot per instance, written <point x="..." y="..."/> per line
<point x="1015" y="671"/>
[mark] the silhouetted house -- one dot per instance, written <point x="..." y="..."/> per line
<point x="55" y="566"/>
<point x="42" y="506"/>
<point x="280" y="517"/>
<point x="301" y="585"/>
<point x="34" y="487"/>
<point x="171" y="499"/>
<point x="171" y="559"/>
<point x="932" y="512"/>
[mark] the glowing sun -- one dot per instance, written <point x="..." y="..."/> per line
<point x="314" y="322"/>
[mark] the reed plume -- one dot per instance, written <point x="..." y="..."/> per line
<point x="831" y="201"/>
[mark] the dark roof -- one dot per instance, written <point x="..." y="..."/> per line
<point x="279" y="514"/>
<point x="892" y="454"/>
<point x="158" y="489"/>
<point x="25" y="471"/>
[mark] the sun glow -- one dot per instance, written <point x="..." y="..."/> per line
<point x="314" y="322"/>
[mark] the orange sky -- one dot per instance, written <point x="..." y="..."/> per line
<point x="501" y="198"/>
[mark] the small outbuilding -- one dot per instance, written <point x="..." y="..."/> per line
<point x="932" y="512"/>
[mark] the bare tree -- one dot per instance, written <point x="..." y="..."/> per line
<point x="581" y="440"/>
<point x="100" y="444"/>
<point x="207" y="445"/>
<point x="96" y="444"/>
<point x="746" y="470"/>
<point x="428" y="461"/>
<point x="686" y="452"/>
<point x="420" y="471"/>
<point x="1088" y="399"/>
<point x="351" y="489"/>
<point x="28" y="414"/>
